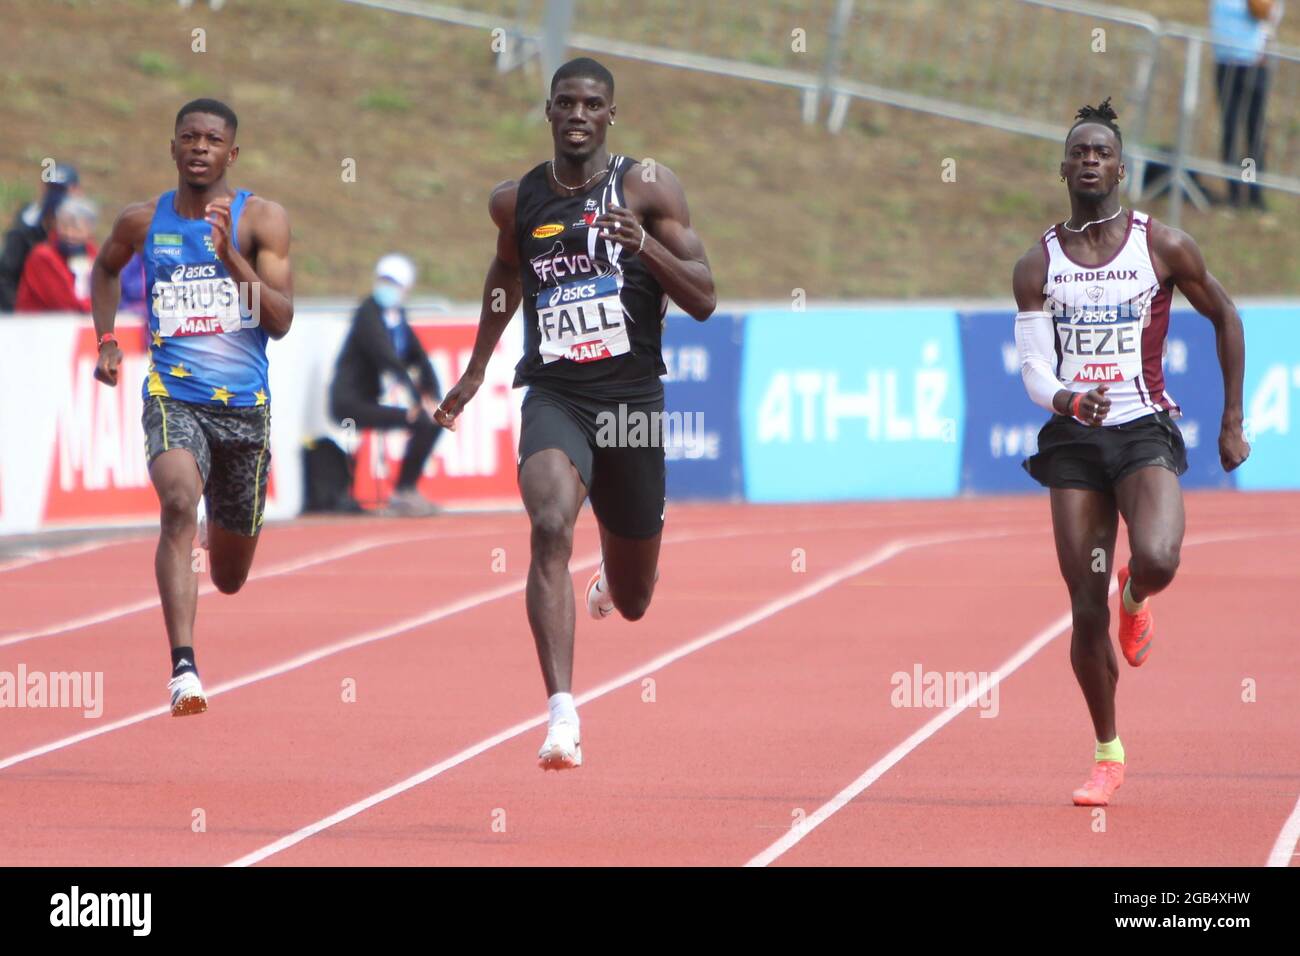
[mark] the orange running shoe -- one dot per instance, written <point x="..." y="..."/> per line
<point x="1107" y="775"/>
<point x="1136" y="631"/>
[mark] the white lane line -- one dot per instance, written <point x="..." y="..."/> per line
<point x="931" y="727"/>
<point x="293" y="663"/>
<point x="368" y="637"/>
<point x="776" y="606"/>
<point x="877" y="770"/>
<point x="275" y="570"/>
<point x="1284" y="851"/>
<point x="43" y="555"/>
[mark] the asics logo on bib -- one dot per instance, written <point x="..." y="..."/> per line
<point x="572" y="293"/>
<point x="582" y="321"/>
<point x="185" y="273"/>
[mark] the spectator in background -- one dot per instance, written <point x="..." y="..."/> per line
<point x="381" y="341"/>
<point x="56" y="277"/>
<point x="1241" y="30"/>
<point x="29" y="229"/>
<point x="132" y="279"/>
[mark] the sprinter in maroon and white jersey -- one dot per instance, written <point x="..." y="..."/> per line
<point x="1093" y="297"/>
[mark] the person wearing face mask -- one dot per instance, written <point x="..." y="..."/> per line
<point x="30" y="227"/>
<point x="56" y="276"/>
<point x="381" y="341"/>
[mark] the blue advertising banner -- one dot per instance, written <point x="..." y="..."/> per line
<point x="1272" y="398"/>
<point x="1194" y="379"/>
<point x="702" y="423"/>
<point x="1002" y="423"/>
<point x="851" y="403"/>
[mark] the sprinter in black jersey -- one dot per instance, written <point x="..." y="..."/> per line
<point x="594" y="245"/>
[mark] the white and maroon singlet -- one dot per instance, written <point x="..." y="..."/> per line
<point x="1111" y="321"/>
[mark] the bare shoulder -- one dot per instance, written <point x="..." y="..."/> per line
<point x="647" y="177"/>
<point x="1175" y="252"/>
<point x="133" y="221"/>
<point x="265" y="211"/>
<point x="1165" y="238"/>
<point x="501" y="203"/>
<point x="1031" y="266"/>
<point x="654" y="190"/>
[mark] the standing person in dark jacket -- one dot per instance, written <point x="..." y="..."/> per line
<point x="29" y="229"/>
<point x="382" y="341"/>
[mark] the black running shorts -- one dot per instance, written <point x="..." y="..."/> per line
<point x="617" y="448"/>
<point x="1074" y="455"/>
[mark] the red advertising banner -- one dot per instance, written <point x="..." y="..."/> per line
<point x="73" y="451"/>
<point x="475" y="464"/>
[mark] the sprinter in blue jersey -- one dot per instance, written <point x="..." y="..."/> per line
<point x="219" y="284"/>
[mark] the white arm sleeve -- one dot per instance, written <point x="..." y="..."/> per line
<point x="1035" y="336"/>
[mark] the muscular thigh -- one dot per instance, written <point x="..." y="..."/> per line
<point x="1151" y="501"/>
<point x="551" y="487"/>
<point x="1084" y="524"/>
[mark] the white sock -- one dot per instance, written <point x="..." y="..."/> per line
<point x="562" y="708"/>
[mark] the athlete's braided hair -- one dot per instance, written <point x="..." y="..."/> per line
<point x="1103" y="115"/>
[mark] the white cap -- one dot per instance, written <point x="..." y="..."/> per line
<point x="398" y="268"/>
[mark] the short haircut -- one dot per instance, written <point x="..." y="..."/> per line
<point x="1103" y="115"/>
<point x="586" y="68"/>
<point x="215" y="107"/>
<point x="76" y="209"/>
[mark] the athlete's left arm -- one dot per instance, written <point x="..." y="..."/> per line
<point x="672" y="250"/>
<point x="270" y="272"/>
<point x="1185" y="267"/>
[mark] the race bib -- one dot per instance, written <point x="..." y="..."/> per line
<point x="194" y="299"/>
<point x="1101" y="343"/>
<point x="582" y="321"/>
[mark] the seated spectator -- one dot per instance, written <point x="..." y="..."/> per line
<point x="381" y="341"/>
<point x="29" y="229"/>
<point x="56" y="277"/>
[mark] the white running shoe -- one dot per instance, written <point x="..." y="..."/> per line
<point x="187" y="695"/>
<point x="599" y="602"/>
<point x="562" y="750"/>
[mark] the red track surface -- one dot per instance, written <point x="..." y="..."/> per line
<point x="786" y="708"/>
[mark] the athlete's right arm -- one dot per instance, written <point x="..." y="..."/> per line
<point x="502" y="292"/>
<point x="1034" y="331"/>
<point x="126" y="239"/>
<point x="1035" y="335"/>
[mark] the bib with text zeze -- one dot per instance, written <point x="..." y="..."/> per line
<point x="1102" y="343"/>
<point x="582" y="321"/>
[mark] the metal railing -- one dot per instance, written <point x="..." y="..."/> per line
<point x="1017" y="65"/>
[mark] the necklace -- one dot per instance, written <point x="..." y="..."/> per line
<point x="551" y="167"/>
<point x="1095" y="222"/>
